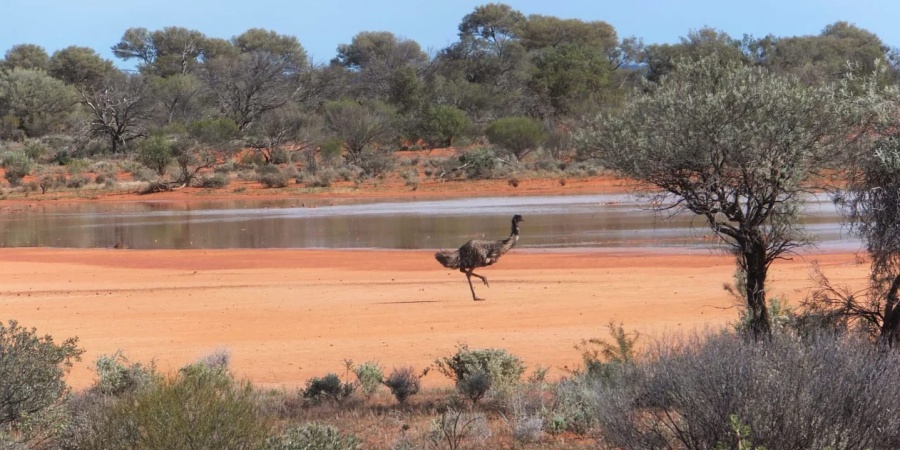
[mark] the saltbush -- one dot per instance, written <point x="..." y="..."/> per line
<point x="476" y="371"/>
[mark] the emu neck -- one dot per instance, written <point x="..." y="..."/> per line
<point x="513" y="238"/>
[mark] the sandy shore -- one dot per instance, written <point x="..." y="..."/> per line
<point x="288" y="315"/>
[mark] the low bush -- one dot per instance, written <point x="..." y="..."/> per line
<point x="819" y="392"/>
<point x="404" y="382"/>
<point x="477" y="371"/>
<point x="329" y="387"/>
<point x="313" y="436"/>
<point x="370" y="376"/>
<point x="16" y="165"/>
<point x="214" y="181"/>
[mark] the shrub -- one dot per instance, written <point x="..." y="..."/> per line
<point x="17" y="165"/>
<point x="478" y="164"/>
<point x="601" y="357"/>
<point x="273" y="179"/>
<point x="77" y="181"/>
<point x="370" y="375"/>
<point x="517" y="135"/>
<point x="116" y="377"/>
<point x="200" y="407"/>
<point x="454" y="427"/>
<point x="313" y="436"/>
<point x="216" y="181"/>
<point x="444" y="124"/>
<point x="156" y="153"/>
<point x="32" y="377"/>
<point x="331" y="149"/>
<point x="477" y="371"/>
<point x="328" y="387"/>
<point x="404" y="383"/>
<point x="822" y="392"/>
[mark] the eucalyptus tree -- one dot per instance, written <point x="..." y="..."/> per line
<point x="26" y="56"/>
<point x="737" y="146"/>
<point x="269" y="72"/>
<point x="661" y="59"/>
<point x="870" y="198"/>
<point x="119" y="109"/>
<point x="384" y="66"/>
<point x="363" y="127"/>
<point x="37" y="103"/>
<point x="79" y="66"/>
<point x="165" y="52"/>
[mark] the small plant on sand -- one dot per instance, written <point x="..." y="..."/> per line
<point x="370" y="376"/>
<point x="404" y="383"/>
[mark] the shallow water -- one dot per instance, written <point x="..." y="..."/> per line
<point x="583" y="221"/>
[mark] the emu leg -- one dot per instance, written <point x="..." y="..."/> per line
<point x="469" y="277"/>
<point x="483" y="278"/>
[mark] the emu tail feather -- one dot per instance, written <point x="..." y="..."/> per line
<point x="448" y="259"/>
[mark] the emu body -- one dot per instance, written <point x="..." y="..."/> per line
<point x="479" y="253"/>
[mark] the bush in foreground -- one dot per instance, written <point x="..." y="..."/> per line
<point x="820" y="392"/>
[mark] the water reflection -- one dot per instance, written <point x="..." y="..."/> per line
<point x="551" y="222"/>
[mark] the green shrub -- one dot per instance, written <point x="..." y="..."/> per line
<point x="17" y="165"/>
<point x="404" y="383"/>
<point x="442" y="125"/>
<point x="370" y="375"/>
<point x="601" y="357"/>
<point x="116" y="377"/>
<point x="313" y="436"/>
<point x="32" y="379"/>
<point x="477" y="371"/>
<point x="215" y="181"/>
<point x="517" y="135"/>
<point x="478" y="164"/>
<point x="156" y="153"/>
<point x="329" y="387"/>
<point x="200" y="407"/>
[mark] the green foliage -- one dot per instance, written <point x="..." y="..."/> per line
<point x="17" y="165"/>
<point x="751" y="145"/>
<point x="39" y="102"/>
<point x="570" y="78"/>
<point x="200" y="407"/>
<point x="741" y="436"/>
<point x="404" y="382"/>
<point x="478" y="164"/>
<point x="330" y="387"/>
<point x="442" y="125"/>
<point x="214" y="181"/>
<point x="331" y="149"/>
<point x="214" y="132"/>
<point x="600" y="356"/>
<point x="477" y="371"/>
<point x="156" y="153"/>
<point x="32" y="377"/>
<point x="360" y="126"/>
<point x="370" y="375"/>
<point x="26" y="56"/>
<point x="80" y="66"/>
<point x="313" y="436"/>
<point x="517" y="135"/>
<point x="116" y="377"/>
<point x="271" y="176"/>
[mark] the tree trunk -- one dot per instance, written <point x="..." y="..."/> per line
<point x="753" y="259"/>
<point x="890" y="326"/>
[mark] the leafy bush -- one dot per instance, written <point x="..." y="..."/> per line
<point x="116" y="377"/>
<point x="156" y="153"/>
<point x="477" y="371"/>
<point x="313" y="436"/>
<point x="822" y="392"/>
<point x="370" y="375"/>
<point x="443" y="124"/>
<point x="602" y="357"/>
<point x="201" y="407"/>
<point x="272" y="179"/>
<point x="215" y="181"/>
<point x="517" y="135"/>
<point x="32" y="377"/>
<point x="329" y="387"/>
<point x="404" y="383"/>
<point x="17" y="165"/>
<point x="478" y="164"/>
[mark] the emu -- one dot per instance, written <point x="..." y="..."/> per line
<point x="479" y="253"/>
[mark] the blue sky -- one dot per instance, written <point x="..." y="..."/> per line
<point x="322" y="25"/>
